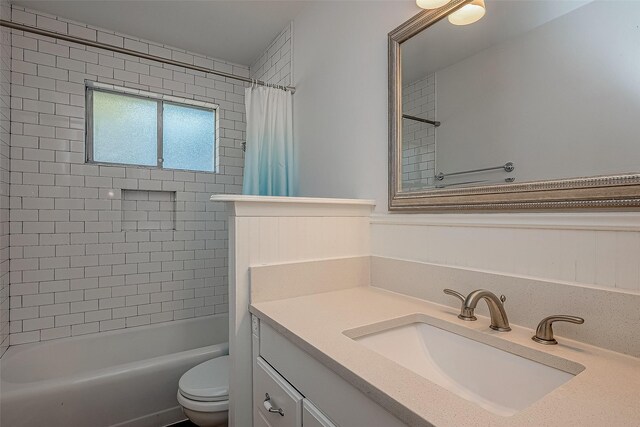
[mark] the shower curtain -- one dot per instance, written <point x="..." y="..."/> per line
<point x="268" y="162"/>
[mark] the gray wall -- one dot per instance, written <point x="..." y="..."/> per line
<point x="340" y="107"/>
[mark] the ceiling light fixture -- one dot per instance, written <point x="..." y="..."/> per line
<point x="468" y="14"/>
<point x="431" y="4"/>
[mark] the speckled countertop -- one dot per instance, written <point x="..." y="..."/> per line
<point x="606" y="393"/>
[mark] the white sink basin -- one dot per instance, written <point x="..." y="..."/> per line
<point x="499" y="381"/>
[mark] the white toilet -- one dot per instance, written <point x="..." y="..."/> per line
<point x="203" y="393"/>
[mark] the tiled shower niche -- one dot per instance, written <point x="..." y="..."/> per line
<point x="145" y="210"/>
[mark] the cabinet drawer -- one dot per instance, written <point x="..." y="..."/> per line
<point x="271" y="390"/>
<point x="259" y="420"/>
<point x="312" y="417"/>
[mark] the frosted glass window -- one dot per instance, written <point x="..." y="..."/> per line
<point x="188" y="138"/>
<point x="125" y="129"/>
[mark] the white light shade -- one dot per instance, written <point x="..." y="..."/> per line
<point x="431" y="4"/>
<point x="468" y="14"/>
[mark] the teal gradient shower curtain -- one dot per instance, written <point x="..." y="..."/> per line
<point x="268" y="163"/>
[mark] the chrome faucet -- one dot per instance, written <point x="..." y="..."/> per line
<point x="499" y="321"/>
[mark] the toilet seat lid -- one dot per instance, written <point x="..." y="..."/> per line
<point x="207" y="382"/>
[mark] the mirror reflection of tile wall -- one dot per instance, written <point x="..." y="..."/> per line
<point x="418" y="139"/>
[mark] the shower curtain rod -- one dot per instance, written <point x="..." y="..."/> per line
<point x="419" y="119"/>
<point x="99" y="45"/>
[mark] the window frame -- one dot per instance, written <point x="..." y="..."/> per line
<point x="92" y="87"/>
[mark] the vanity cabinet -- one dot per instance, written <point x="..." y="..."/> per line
<point x="313" y="417"/>
<point x="279" y="403"/>
<point x="310" y="394"/>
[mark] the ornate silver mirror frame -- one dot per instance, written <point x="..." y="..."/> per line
<point x="600" y="192"/>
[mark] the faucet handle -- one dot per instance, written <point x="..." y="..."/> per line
<point x="544" y="331"/>
<point x="455" y="294"/>
<point x="462" y="299"/>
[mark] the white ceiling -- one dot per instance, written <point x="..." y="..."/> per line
<point x="233" y="30"/>
<point x="445" y="44"/>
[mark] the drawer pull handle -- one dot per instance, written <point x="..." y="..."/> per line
<point x="269" y="407"/>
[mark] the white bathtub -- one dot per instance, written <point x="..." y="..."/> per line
<point x="126" y="378"/>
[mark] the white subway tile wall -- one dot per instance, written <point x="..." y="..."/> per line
<point x="274" y="65"/>
<point x="5" y="127"/>
<point x="419" y="139"/>
<point x="83" y="260"/>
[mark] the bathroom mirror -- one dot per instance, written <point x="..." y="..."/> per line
<point x="536" y="105"/>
